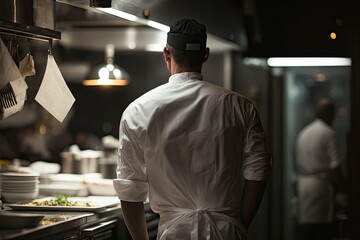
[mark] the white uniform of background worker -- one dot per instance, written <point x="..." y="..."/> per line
<point x="319" y="174"/>
<point x="186" y="143"/>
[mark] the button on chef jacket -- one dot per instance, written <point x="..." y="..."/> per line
<point x="187" y="143"/>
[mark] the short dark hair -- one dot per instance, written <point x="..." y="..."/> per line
<point x="187" y="58"/>
<point x="325" y="108"/>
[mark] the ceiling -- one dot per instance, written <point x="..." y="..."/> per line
<point x="85" y="27"/>
<point x="302" y="28"/>
<point x="258" y="28"/>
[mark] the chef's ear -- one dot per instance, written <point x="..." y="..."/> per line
<point x="166" y="54"/>
<point x="207" y="53"/>
<point x="167" y="58"/>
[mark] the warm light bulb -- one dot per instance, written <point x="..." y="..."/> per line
<point x="132" y="45"/>
<point x="110" y="67"/>
<point x="104" y="81"/>
<point x="117" y="73"/>
<point x="333" y="35"/>
<point x="103" y="73"/>
<point x="42" y="129"/>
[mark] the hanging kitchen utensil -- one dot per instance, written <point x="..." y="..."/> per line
<point x="7" y="96"/>
<point x="27" y="65"/>
<point x="12" y="84"/>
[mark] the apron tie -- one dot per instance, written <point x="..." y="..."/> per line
<point x="184" y="215"/>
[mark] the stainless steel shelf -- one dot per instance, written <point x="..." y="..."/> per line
<point x="33" y="32"/>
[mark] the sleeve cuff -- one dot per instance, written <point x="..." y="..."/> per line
<point x="258" y="167"/>
<point x="258" y="175"/>
<point x="132" y="191"/>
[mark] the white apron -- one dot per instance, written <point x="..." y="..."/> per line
<point x="315" y="199"/>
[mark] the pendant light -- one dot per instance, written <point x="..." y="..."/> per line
<point x="107" y="74"/>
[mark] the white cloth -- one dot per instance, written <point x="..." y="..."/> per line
<point x="317" y="153"/>
<point x="316" y="200"/>
<point x="186" y="142"/>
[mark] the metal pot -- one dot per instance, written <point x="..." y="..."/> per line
<point x="80" y="163"/>
<point x="108" y="169"/>
<point x="107" y="164"/>
<point x="67" y="159"/>
<point x="85" y="165"/>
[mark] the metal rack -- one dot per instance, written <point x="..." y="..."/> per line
<point x="31" y="32"/>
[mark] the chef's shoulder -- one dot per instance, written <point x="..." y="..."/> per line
<point x="143" y="103"/>
<point x="232" y="97"/>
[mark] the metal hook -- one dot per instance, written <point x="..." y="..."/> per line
<point x="50" y="47"/>
<point x="17" y="54"/>
<point x="29" y="44"/>
<point x="11" y="46"/>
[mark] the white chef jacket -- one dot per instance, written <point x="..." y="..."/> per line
<point x="317" y="153"/>
<point x="185" y="143"/>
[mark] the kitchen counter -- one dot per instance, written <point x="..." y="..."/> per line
<point x="107" y="224"/>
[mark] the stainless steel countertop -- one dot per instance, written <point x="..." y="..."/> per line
<point x="60" y="224"/>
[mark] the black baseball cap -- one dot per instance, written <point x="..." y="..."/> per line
<point x="187" y="35"/>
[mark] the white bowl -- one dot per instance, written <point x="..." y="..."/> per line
<point x="19" y="176"/>
<point x="20" y="190"/>
<point x="18" y="197"/>
<point x="66" y="178"/>
<point x="11" y="174"/>
<point x="100" y="187"/>
<point x="58" y="188"/>
<point x="19" y="183"/>
<point x="15" y="189"/>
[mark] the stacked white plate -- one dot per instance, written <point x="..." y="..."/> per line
<point x="19" y="187"/>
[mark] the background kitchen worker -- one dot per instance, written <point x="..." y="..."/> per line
<point x="187" y="143"/>
<point x="319" y="175"/>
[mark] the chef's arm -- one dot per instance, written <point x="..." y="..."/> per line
<point x="337" y="178"/>
<point x="134" y="216"/>
<point x="252" y="196"/>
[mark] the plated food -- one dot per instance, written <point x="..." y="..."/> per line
<point x="64" y="203"/>
<point x="51" y="219"/>
<point x="59" y="200"/>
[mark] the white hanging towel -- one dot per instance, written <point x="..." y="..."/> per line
<point x="54" y="95"/>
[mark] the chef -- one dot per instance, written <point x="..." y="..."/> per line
<point x="187" y="145"/>
<point x="319" y="174"/>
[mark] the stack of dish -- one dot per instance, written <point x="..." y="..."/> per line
<point x="19" y="187"/>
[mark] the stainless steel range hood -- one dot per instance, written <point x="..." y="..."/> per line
<point x="224" y="21"/>
<point x="33" y="19"/>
